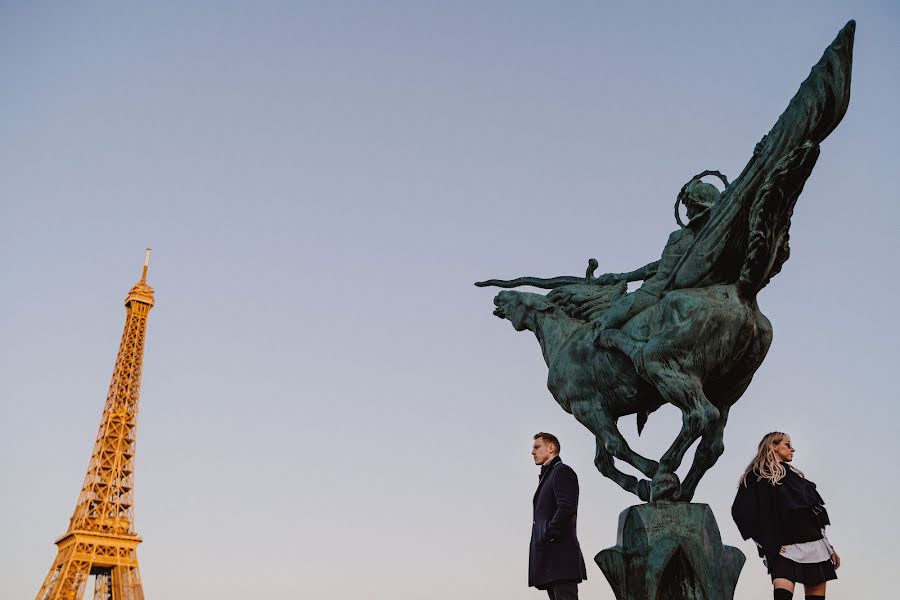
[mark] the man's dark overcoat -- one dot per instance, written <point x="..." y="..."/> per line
<point x="555" y="554"/>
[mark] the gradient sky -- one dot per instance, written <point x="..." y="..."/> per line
<point x="329" y="409"/>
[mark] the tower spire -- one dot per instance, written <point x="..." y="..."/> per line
<point x="146" y="264"/>
<point x="101" y="539"/>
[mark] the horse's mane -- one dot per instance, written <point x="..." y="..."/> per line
<point x="585" y="302"/>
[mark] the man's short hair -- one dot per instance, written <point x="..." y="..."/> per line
<point x="549" y="438"/>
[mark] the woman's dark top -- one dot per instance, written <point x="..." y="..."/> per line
<point x="789" y="512"/>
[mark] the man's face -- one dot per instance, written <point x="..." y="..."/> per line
<point x="542" y="451"/>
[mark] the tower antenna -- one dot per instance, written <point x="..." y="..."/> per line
<point x="146" y="264"/>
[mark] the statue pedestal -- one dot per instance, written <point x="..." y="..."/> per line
<point x="670" y="551"/>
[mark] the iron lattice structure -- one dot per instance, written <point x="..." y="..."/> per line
<point x="101" y="539"/>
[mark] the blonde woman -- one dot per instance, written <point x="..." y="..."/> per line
<point x="783" y="513"/>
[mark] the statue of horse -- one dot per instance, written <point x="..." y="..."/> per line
<point x="699" y="344"/>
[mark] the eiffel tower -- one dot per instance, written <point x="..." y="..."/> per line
<point x="101" y="540"/>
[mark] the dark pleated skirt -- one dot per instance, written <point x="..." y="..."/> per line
<point x="805" y="573"/>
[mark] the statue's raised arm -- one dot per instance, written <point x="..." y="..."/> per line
<point x="552" y="283"/>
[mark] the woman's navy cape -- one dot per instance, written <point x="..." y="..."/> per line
<point x="789" y="512"/>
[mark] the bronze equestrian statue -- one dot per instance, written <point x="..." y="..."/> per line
<point x="692" y="335"/>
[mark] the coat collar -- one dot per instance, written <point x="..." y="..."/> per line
<point x="546" y="468"/>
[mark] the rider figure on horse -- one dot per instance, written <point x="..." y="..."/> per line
<point x="698" y="197"/>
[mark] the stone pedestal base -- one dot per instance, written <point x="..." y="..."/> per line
<point x="670" y="551"/>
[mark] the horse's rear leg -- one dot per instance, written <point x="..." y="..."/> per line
<point x="711" y="447"/>
<point x="603" y="426"/>
<point x="684" y="391"/>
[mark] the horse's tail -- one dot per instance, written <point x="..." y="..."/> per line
<point x="770" y="219"/>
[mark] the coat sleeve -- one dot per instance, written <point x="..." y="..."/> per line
<point x="744" y="513"/>
<point x="755" y="512"/>
<point x="565" y="490"/>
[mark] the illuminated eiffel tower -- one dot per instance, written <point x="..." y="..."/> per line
<point x="101" y="540"/>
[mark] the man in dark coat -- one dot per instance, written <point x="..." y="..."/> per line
<point x="555" y="563"/>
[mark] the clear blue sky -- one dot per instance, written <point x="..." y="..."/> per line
<point x="329" y="408"/>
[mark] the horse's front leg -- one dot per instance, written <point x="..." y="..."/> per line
<point x="603" y="460"/>
<point x="592" y="415"/>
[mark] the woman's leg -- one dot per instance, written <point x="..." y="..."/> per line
<point x="814" y="591"/>
<point x="783" y="589"/>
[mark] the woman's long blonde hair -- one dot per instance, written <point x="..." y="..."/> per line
<point x="766" y="464"/>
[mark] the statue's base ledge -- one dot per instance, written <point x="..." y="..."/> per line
<point x="671" y="551"/>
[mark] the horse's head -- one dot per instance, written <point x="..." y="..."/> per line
<point x="520" y="308"/>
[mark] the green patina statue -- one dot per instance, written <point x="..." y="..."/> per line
<point x="692" y="334"/>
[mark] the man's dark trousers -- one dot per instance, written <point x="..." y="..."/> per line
<point x="563" y="590"/>
<point x="555" y="562"/>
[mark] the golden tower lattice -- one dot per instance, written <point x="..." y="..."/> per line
<point x="101" y="540"/>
